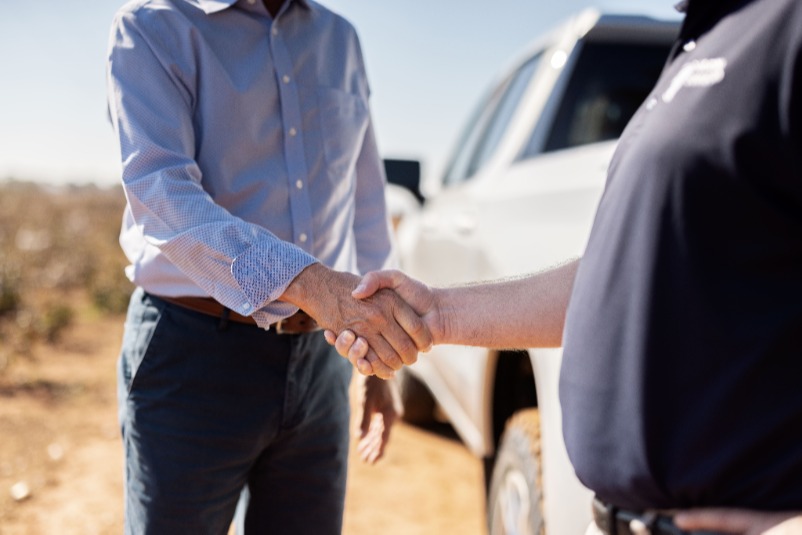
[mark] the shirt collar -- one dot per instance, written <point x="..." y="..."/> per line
<point x="213" y="6"/>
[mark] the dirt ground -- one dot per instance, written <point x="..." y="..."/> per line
<point x="60" y="455"/>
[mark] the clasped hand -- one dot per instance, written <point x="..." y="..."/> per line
<point x="355" y="344"/>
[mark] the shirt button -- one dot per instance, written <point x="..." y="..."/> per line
<point x="246" y="307"/>
<point x="285" y="79"/>
<point x="689" y="46"/>
<point x="303" y="238"/>
<point x="299" y="184"/>
<point x="293" y="132"/>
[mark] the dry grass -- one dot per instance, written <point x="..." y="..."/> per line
<point x="57" y="246"/>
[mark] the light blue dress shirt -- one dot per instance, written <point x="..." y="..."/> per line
<point x="247" y="149"/>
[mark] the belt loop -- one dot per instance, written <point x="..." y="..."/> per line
<point x="223" y="325"/>
<point x="612" y="519"/>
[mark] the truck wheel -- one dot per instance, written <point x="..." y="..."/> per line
<point x="417" y="400"/>
<point x="515" y="504"/>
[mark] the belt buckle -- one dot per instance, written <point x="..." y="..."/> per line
<point x="280" y="326"/>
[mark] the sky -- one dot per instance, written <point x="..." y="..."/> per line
<point x="428" y="62"/>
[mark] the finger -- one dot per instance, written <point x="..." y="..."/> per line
<point x="392" y="343"/>
<point x="378" y="367"/>
<point x="384" y="346"/>
<point x="375" y="281"/>
<point x="402" y="348"/>
<point x="364" y="367"/>
<point x="371" y="446"/>
<point x="372" y="451"/>
<point x="364" y="423"/>
<point x="358" y="349"/>
<point x="722" y="520"/>
<point x="387" y="420"/>
<point x="384" y="438"/>
<point x="414" y="327"/>
<point x="369" y="449"/>
<point x="330" y="337"/>
<point x="344" y="342"/>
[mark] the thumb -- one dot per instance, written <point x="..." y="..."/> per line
<point x="375" y="281"/>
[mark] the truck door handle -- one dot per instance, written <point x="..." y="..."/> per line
<point x="465" y="223"/>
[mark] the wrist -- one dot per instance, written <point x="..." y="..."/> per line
<point x="305" y="285"/>
<point x="443" y="320"/>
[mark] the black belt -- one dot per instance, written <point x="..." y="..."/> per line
<point x="614" y="521"/>
<point x="298" y="323"/>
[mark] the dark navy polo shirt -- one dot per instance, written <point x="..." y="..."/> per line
<point x="681" y="381"/>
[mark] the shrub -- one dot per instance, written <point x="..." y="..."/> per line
<point x="9" y="291"/>
<point x="57" y="245"/>
<point x="55" y="320"/>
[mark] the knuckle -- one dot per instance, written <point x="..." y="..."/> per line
<point x="391" y="360"/>
<point x="373" y="315"/>
<point x="408" y="352"/>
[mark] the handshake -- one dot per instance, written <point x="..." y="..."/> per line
<point x="418" y="297"/>
<point x="383" y="320"/>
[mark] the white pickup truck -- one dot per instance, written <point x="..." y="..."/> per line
<point x="519" y="196"/>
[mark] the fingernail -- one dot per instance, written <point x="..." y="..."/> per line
<point x="359" y="289"/>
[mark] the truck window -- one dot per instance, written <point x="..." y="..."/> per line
<point x="488" y="124"/>
<point x="608" y="84"/>
<point x="504" y="113"/>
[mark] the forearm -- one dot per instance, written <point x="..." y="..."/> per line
<point x="517" y="313"/>
<point x="315" y="285"/>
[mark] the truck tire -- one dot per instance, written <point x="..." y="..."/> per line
<point x="416" y="399"/>
<point x="515" y="500"/>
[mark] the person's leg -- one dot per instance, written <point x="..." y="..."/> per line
<point x="196" y="403"/>
<point x="298" y="484"/>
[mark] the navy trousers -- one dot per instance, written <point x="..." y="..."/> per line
<point x="208" y="410"/>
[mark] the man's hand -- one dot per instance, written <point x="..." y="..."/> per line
<point x="381" y="406"/>
<point x="420" y="297"/>
<point x="394" y="331"/>
<point x="740" y="522"/>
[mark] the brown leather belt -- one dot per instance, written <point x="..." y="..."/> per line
<point x="298" y="323"/>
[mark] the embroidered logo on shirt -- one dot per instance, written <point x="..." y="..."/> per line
<point x="697" y="73"/>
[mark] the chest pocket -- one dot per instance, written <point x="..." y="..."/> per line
<point x="343" y="121"/>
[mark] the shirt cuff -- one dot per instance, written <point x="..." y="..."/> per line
<point x="264" y="270"/>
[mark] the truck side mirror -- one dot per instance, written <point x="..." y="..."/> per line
<point x="406" y="174"/>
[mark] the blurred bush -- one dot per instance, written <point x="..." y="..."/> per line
<point x="59" y="254"/>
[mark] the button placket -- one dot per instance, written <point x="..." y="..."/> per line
<point x="289" y="98"/>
